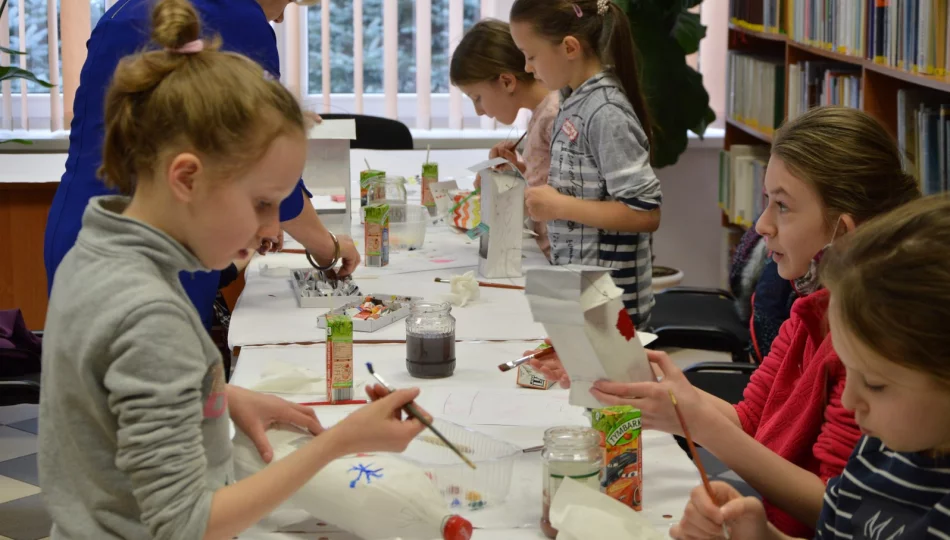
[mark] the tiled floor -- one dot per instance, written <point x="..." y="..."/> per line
<point x="23" y="516"/>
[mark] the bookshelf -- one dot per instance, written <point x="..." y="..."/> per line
<point x="890" y="58"/>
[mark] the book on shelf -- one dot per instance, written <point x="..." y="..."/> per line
<point x="911" y="35"/>
<point x="759" y="15"/>
<point x="811" y="84"/>
<point x="756" y="91"/>
<point x="923" y="135"/>
<point x="741" y="182"/>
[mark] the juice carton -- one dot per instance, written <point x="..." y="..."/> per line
<point x="365" y="178"/>
<point x="339" y="358"/>
<point x="430" y="175"/>
<point x="377" y="235"/>
<point x="528" y="377"/>
<point x="620" y="434"/>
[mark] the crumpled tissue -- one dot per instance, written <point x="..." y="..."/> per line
<point x="464" y="289"/>
<point x="581" y="513"/>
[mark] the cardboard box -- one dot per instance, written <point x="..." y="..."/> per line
<point x="621" y="438"/>
<point x="308" y="299"/>
<point x="528" y="377"/>
<point x="371" y="325"/>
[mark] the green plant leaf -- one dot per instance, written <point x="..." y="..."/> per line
<point x="688" y="31"/>
<point x="10" y="72"/>
<point x="690" y="4"/>
<point x="16" y="141"/>
<point x="11" y="51"/>
<point x="674" y="92"/>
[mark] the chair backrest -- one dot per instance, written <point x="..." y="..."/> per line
<point x="377" y="133"/>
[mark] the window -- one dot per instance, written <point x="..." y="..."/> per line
<point x="341" y="53"/>
<point x="35" y="38"/>
<point x="300" y="43"/>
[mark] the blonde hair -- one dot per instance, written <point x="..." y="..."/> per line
<point x="220" y="105"/>
<point x="850" y="160"/>
<point x="486" y="52"/>
<point x="890" y="281"/>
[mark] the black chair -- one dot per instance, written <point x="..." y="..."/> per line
<point x="697" y="318"/>
<point x="725" y="380"/>
<point x="376" y="133"/>
<point x="21" y="383"/>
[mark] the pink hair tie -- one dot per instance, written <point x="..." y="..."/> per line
<point x="191" y="47"/>
<point x="577" y="11"/>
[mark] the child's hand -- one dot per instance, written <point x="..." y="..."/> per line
<point x="508" y="150"/>
<point x="703" y="518"/>
<point x="653" y="398"/>
<point x="550" y="366"/>
<point x="380" y="426"/>
<point x="544" y="203"/>
<point x="253" y="413"/>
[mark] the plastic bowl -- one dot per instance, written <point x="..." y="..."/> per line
<point x="407" y="225"/>
<point x="463" y="488"/>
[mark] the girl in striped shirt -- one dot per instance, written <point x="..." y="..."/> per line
<point x="890" y="300"/>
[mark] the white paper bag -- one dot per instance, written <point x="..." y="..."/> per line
<point x="581" y="513"/>
<point x="583" y="313"/>
<point x="503" y="212"/>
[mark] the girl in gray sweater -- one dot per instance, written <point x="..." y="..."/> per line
<point x="134" y="436"/>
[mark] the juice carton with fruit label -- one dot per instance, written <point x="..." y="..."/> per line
<point x="620" y="435"/>
<point x="339" y="358"/>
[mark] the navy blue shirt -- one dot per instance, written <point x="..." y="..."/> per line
<point x="887" y="495"/>
<point x="125" y="29"/>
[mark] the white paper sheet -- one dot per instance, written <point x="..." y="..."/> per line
<point x="580" y="309"/>
<point x="503" y="407"/>
<point x="580" y="513"/>
<point x="334" y="129"/>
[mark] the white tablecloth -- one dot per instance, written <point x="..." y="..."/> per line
<point x="669" y="475"/>
<point x="267" y="311"/>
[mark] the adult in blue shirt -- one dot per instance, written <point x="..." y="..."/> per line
<point x="244" y="27"/>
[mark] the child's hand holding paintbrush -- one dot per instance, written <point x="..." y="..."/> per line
<point x="379" y="426"/>
<point x="549" y="365"/>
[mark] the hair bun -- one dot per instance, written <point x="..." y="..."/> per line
<point x="175" y="23"/>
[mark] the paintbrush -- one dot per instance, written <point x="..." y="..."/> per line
<point x="414" y="412"/>
<point x="486" y="284"/>
<point x="523" y="135"/>
<point x="695" y="456"/>
<point x="508" y="366"/>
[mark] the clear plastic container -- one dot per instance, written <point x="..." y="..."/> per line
<point x="407" y="226"/>
<point x="465" y="489"/>
<point x="386" y="189"/>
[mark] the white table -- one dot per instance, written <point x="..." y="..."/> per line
<point x="267" y="312"/>
<point x="669" y="475"/>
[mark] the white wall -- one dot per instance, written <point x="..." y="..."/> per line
<point x="690" y="234"/>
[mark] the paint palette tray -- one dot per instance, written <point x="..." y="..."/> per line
<point x="463" y="488"/>
<point x="314" y="289"/>
<point x="397" y="309"/>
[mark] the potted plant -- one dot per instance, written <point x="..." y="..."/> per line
<point x="665" y="33"/>
<point x="13" y="72"/>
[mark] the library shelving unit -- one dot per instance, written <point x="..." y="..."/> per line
<point x="786" y="56"/>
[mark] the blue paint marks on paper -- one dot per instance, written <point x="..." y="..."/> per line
<point x="365" y="471"/>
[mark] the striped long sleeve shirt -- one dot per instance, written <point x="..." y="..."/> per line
<point x="600" y="152"/>
<point x="887" y="495"/>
